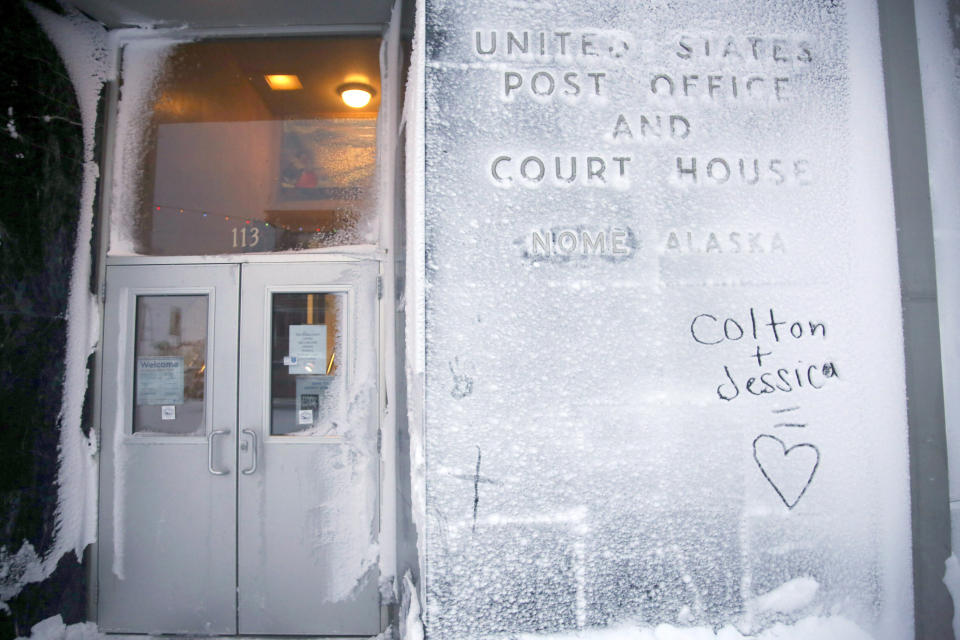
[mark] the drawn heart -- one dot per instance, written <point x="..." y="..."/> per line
<point x="789" y="471"/>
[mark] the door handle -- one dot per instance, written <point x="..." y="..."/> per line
<point x="253" y="437"/>
<point x="213" y="434"/>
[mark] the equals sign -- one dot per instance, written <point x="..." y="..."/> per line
<point x="799" y="425"/>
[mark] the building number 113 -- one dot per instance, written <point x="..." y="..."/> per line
<point x="244" y="237"/>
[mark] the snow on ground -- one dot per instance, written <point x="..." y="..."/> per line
<point x="812" y="628"/>
<point x="53" y="628"/>
<point x="788" y="597"/>
<point x="806" y="629"/>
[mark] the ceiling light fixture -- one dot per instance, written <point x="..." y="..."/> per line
<point x="356" y="94"/>
<point x="283" y="82"/>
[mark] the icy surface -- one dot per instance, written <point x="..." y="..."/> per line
<point x="702" y="423"/>
<point x="352" y="496"/>
<point x="392" y="68"/>
<point x="18" y="569"/>
<point x="415" y="277"/>
<point x="81" y="44"/>
<point x="143" y="61"/>
<point x="790" y="596"/>
<point x="83" y="48"/>
<point x="806" y="629"/>
<point x="123" y="386"/>
<point x="411" y="622"/>
<point x="53" y="628"/>
<point x="160" y="166"/>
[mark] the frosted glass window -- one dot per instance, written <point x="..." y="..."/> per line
<point x="170" y="365"/>
<point x="306" y="363"/>
<point x="231" y="165"/>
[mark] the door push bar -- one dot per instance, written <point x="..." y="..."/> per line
<point x="214" y="434"/>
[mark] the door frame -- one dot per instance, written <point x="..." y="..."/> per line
<point x="386" y="480"/>
<point x="391" y="240"/>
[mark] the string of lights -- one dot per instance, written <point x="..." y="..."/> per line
<point x="253" y="222"/>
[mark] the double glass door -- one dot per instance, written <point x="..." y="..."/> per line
<point x="239" y="464"/>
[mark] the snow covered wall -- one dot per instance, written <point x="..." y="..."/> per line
<point x="52" y="75"/>
<point x="664" y="370"/>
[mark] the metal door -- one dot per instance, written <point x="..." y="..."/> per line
<point x="167" y="534"/>
<point x="308" y="517"/>
<point x="215" y="525"/>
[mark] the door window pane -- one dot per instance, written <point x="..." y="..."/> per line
<point x="234" y="161"/>
<point x="306" y="363"/>
<point x="170" y="365"/>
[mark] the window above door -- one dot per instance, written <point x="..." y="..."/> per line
<point x="246" y="145"/>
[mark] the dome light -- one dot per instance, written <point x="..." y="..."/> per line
<point x="356" y="94"/>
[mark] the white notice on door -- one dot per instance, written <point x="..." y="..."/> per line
<point x="160" y="380"/>
<point x="311" y="393"/>
<point x="308" y="345"/>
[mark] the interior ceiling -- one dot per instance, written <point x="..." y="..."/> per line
<point x="235" y="13"/>
<point x="223" y="80"/>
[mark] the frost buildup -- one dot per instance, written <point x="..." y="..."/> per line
<point x="664" y="356"/>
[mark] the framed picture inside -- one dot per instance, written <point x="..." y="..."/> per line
<point x="325" y="161"/>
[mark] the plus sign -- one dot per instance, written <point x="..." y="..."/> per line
<point x="759" y="356"/>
